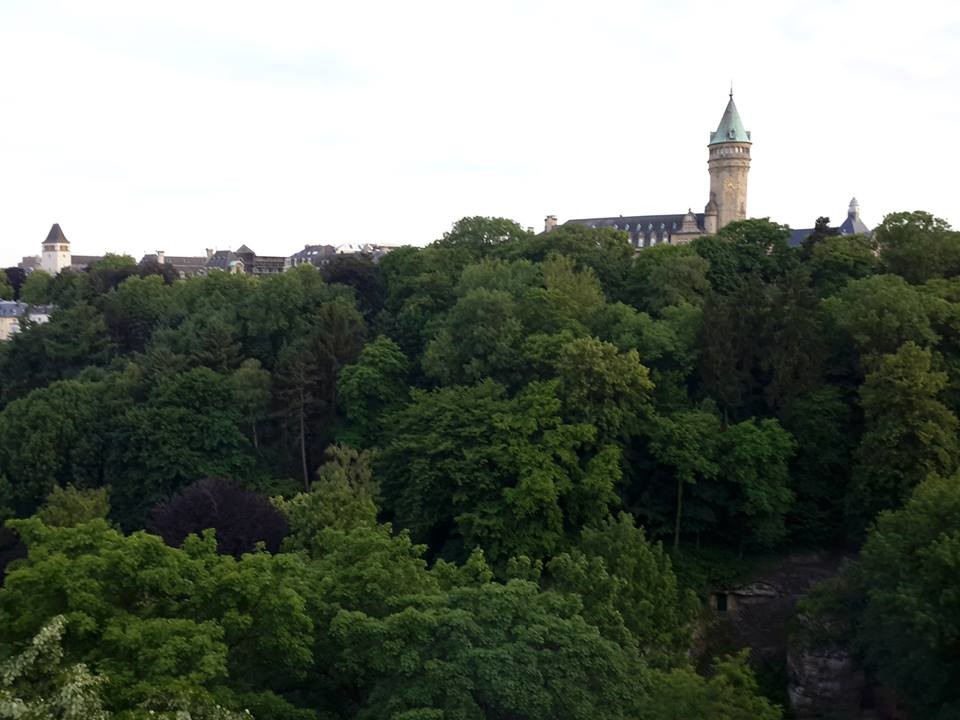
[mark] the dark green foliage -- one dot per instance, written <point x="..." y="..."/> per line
<point x="363" y="275"/>
<point x="473" y="465"/>
<point x="15" y="277"/>
<point x="908" y="587"/>
<point x="908" y="433"/>
<point x="518" y="404"/>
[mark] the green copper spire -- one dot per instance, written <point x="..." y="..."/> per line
<point x="730" y="128"/>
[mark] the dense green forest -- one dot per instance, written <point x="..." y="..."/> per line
<point x="491" y="478"/>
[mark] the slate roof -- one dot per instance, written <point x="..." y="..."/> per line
<point x="56" y="236"/>
<point x="853" y="225"/>
<point x="12" y="308"/>
<point x="313" y="253"/>
<point x="82" y="261"/>
<point x="731" y="127"/>
<point x="15" y="308"/>
<point x="640" y="226"/>
<point x="221" y="259"/>
<point x="244" y="250"/>
<point x="187" y="264"/>
<point x="798" y="236"/>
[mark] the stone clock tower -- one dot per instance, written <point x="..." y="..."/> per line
<point x="729" y="164"/>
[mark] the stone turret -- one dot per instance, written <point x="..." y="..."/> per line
<point x="710" y="215"/>
<point x="549" y="223"/>
<point x="729" y="164"/>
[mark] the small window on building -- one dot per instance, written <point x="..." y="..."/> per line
<point x="721" y="600"/>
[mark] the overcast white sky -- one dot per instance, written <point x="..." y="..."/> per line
<point x="180" y="125"/>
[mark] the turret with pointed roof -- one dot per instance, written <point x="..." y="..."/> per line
<point x="56" y="251"/>
<point x="56" y="236"/>
<point x="729" y="165"/>
<point x="731" y="127"/>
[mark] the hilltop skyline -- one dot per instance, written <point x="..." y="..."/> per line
<point x="163" y="128"/>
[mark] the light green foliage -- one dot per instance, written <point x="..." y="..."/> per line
<point x="421" y="285"/>
<point x="908" y="577"/>
<point x="34" y="685"/>
<point x="36" y="288"/>
<point x="489" y="651"/>
<point x="688" y="442"/>
<point x="607" y="252"/>
<point x="604" y="387"/>
<point x="480" y="338"/>
<point x="342" y="497"/>
<point x="628" y="589"/>
<point x="513" y="277"/>
<point x="908" y="433"/>
<point x="918" y="246"/>
<point x="882" y="312"/>
<point x="742" y="249"/>
<point x="160" y="622"/>
<point x="479" y="234"/>
<point x="250" y="387"/>
<point x="371" y="387"/>
<point x="667" y="275"/>
<point x="567" y="300"/>
<point x="502" y="472"/>
<point x="837" y="260"/>
<point x="730" y="693"/>
<point x="754" y="457"/>
<point x="67" y="507"/>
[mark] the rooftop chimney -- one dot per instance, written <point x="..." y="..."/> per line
<point x="549" y="223"/>
<point x="161" y="257"/>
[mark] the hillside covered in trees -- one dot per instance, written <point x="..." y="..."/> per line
<point x="492" y="478"/>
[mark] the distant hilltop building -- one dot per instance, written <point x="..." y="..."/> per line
<point x="851" y="226"/>
<point x="728" y="164"/>
<point x="241" y="260"/>
<point x="12" y="312"/>
<point x="56" y="257"/>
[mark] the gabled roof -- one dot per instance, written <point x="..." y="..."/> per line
<point x="56" y="236"/>
<point x="731" y="127"/>
<point x="244" y="250"/>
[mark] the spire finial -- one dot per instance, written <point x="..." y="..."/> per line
<point x="731" y="89"/>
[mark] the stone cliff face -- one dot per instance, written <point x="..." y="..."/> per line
<point x="824" y="681"/>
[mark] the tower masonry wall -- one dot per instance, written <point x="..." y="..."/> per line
<point x="729" y="166"/>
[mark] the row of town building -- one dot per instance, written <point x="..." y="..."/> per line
<point x="56" y="257"/>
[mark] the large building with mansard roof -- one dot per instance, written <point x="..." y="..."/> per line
<point x="728" y="164"/>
